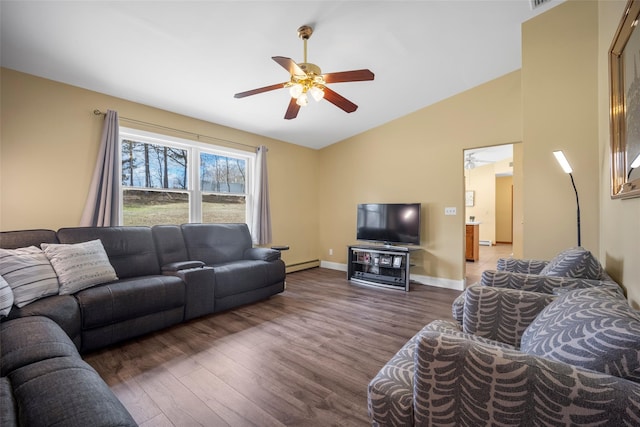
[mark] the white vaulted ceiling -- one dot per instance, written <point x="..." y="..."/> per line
<point x="191" y="57"/>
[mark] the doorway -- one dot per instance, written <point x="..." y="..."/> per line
<point x="492" y="187"/>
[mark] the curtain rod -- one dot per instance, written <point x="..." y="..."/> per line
<point x="197" y="135"/>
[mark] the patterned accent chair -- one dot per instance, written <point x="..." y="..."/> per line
<point x="519" y="358"/>
<point x="574" y="268"/>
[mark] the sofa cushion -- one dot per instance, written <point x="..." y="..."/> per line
<point x="128" y="299"/>
<point x="30" y="339"/>
<point x="591" y="328"/>
<point x="80" y="265"/>
<point x="574" y="262"/>
<point x="131" y="250"/>
<point x="501" y="314"/>
<point x="6" y="297"/>
<point x="62" y="309"/>
<point x="516" y="265"/>
<point x="8" y="406"/>
<point x="216" y="243"/>
<point x="169" y="244"/>
<point x="65" y="391"/>
<point x="23" y="238"/>
<point x="29" y="273"/>
<point x="241" y="276"/>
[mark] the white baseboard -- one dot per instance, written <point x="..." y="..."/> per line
<point x="333" y="265"/>
<point x="438" y="282"/>
<point x="457" y="285"/>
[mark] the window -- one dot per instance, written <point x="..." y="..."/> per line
<point x="168" y="180"/>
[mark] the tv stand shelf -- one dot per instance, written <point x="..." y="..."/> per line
<point x="385" y="266"/>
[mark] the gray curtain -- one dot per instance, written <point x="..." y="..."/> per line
<point x="101" y="209"/>
<point x="262" y="212"/>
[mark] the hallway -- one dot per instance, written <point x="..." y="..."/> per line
<point x="487" y="261"/>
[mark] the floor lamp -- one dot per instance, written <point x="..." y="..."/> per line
<point x="634" y="165"/>
<point x="567" y="169"/>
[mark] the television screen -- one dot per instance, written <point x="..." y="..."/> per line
<point x="389" y="223"/>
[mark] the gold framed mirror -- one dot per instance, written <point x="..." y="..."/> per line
<point x="624" y="72"/>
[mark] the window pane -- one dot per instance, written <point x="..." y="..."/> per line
<point x="223" y="208"/>
<point x="153" y="166"/>
<point x="221" y="174"/>
<point x="141" y="207"/>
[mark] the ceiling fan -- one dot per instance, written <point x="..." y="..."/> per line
<point x="471" y="162"/>
<point x="307" y="79"/>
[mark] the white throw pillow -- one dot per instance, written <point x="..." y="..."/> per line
<point x="29" y="273"/>
<point x="6" y="297"/>
<point x="79" y="266"/>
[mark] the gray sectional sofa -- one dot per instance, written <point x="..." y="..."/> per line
<point x="165" y="275"/>
<point x="44" y="381"/>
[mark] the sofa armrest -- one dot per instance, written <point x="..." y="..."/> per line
<point x="173" y="267"/>
<point x="457" y="308"/>
<point x="529" y="266"/>
<point x="200" y="286"/>
<point x="463" y="382"/>
<point x="390" y="392"/>
<point x="262" y="254"/>
<point x="501" y="314"/>
<point x="538" y="283"/>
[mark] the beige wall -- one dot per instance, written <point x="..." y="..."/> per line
<point x="560" y="112"/>
<point x="619" y="219"/>
<point x="49" y="143"/>
<point x="417" y="158"/>
<point x="518" y="200"/>
<point x="482" y="181"/>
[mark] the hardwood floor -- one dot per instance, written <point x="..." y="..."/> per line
<point x="301" y="358"/>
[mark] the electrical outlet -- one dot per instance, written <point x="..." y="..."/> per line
<point x="330" y="251"/>
<point x="449" y="211"/>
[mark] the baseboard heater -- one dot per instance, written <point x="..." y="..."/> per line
<point x="302" y="265"/>
<point x="485" y="242"/>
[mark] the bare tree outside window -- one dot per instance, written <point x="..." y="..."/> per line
<point x="156" y="188"/>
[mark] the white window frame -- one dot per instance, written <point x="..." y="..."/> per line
<point x="193" y="148"/>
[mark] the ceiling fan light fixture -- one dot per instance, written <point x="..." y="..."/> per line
<point x="302" y="100"/>
<point x="295" y="90"/>
<point x="317" y="93"/>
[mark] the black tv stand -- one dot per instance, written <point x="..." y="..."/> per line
<point x="380" y="265"/>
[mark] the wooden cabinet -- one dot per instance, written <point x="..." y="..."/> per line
<point x="473" y="242"/>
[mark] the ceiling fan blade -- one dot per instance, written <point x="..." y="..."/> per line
<point x="259" y="90"/>
<point x="289" y="65"/>
<point x="348" y="76"/>
<point x="339" y="101"/>
<point x="292" y="110"/>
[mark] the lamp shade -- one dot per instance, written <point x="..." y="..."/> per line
<point x="317" y="93"/>
<point x="295" y="90"/>
<point x="562" y="160"/>
<point x="302" y="100"/>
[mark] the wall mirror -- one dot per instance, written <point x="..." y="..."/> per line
<point x="624" y="71"/>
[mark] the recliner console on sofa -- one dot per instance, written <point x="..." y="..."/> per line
<point x="166" y="275"/>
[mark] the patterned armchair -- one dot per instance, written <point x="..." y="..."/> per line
<point x="574" y="268"/>
<point x="513" y="362"/>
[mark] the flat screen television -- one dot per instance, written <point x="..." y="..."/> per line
<point x="389" y="223"/>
